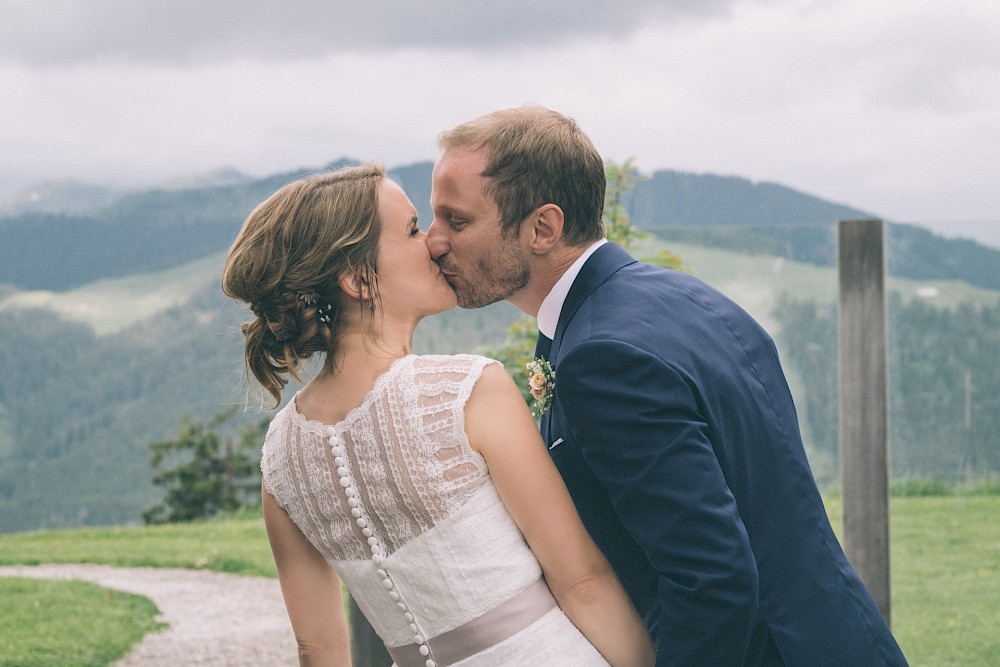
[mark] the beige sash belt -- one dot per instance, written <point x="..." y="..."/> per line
<point x="480" y="633"/>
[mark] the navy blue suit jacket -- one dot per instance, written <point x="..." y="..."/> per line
<point x="674" y="428"/>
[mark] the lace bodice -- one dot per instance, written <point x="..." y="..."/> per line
<point x="404" y="509"/>
<point x="405" y="448"/>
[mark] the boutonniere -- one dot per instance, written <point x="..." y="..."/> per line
<point x="541" y="384"/>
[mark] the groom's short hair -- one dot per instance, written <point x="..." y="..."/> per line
<point x="536" y="156"/>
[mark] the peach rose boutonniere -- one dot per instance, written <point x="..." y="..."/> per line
<point x="541" y="383"/>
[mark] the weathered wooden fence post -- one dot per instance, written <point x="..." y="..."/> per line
<point x="864" y="461"/>
<point x="367" y="650"/>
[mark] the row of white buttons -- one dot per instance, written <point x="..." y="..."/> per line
<point x="378" y="552"/>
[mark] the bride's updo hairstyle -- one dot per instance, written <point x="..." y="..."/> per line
<point x="285" y="264"/>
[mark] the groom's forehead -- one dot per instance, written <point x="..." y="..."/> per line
<point x="462" y="196"/>
<point x="461" y="163"/>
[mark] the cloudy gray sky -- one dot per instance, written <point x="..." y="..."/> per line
<point x="890" y="106"/>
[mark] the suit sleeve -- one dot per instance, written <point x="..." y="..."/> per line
<point x="640" y="430"/>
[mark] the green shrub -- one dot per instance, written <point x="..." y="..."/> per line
<point x="921" y="486"/>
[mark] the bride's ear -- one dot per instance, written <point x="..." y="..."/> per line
<point x="354" y="284"/>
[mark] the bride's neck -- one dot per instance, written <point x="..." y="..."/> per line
<point x="357" y="350"/>
<point x="348" y="375"/>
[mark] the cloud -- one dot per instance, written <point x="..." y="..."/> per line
<point x="54" y="32"/>
<point x="891" y="106"/>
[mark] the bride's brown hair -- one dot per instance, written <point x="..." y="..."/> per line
<point x="286" y="262"/>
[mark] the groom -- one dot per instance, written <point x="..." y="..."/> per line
<point x="670" y="419"/>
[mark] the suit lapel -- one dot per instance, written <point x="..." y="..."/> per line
<point x="600" y="266"/>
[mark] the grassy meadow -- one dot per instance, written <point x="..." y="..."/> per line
<point x="945" y="578"/>
<point x="945" y="581"/>
<point x="237" y="545"/>
<point x="112" y="304"/>
<point x="69" y="623"/>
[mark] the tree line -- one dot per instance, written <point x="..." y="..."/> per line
<point x="944" y="384"/>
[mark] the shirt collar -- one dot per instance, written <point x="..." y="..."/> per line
<point x="549" y="311"/>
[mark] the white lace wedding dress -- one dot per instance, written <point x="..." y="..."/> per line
<point x="405" y="511"/>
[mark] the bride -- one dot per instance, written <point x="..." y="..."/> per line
<point x="420" y="482"/>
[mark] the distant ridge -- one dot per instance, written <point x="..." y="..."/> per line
<point x="681" y="199"/>
<point x="222" y="177"/>
<point x="66" y="197"/>
<point x="72" y="197"/>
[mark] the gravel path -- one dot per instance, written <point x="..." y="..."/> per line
<point x="216" y="619"/>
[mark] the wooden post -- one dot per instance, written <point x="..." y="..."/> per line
<point x="367" y="650"/>
<point x="864" y="461"/>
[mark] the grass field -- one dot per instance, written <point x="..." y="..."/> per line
<point x="945" y="578"/>
<point x="235" y="545"/>
<point x="112" y="304"/>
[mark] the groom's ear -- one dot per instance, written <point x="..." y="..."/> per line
<point x="545" y="226"/>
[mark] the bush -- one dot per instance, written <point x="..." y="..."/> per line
<point x="920" y="486"/>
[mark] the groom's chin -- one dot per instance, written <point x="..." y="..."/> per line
<point x="473" y="305"/>
<point x="471" y="296"/>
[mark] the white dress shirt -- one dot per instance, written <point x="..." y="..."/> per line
<point x="548" y="312"/>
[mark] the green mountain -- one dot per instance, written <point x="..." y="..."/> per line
<point x="770" y="219"/>
<point x="138" y="232"/>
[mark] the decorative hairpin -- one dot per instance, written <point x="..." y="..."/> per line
<point x="309" y="297"/>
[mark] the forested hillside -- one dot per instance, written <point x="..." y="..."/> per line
<point x="77" y="410"/>
<point x="944" y="387"/>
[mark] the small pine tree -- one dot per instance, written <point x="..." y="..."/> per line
<point x="210" y="472"/>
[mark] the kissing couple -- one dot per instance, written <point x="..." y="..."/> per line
<point x="664" y="513"/>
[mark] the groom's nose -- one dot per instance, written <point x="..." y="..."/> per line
<point x="437" y="242"/>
